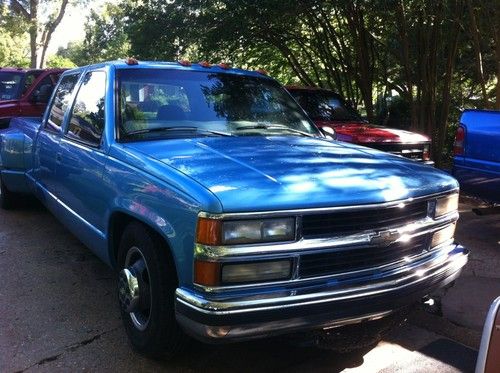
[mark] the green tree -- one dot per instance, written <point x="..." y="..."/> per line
<point x="58" y="61"/>
<point x="438" y="56"/>
<point x="105" y="38"/>
<point x="14" y="49"/>
<point x="42" y="18"/>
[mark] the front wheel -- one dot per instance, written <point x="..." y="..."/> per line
<point x="146" y="292"/>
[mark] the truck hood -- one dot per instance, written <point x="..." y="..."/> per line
<point x="275" y="173"/>
<point x="360" y="133"/>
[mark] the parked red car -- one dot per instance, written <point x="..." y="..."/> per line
<point x="328" y="109"/>
<point x="25" y="92"/>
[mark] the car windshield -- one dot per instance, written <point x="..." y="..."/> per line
<point x="326" y="106"/>
<point x="171" y="103"/>
<point x="10" y="85"/>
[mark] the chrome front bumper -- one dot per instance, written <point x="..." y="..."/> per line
<point x="217" y="317"/>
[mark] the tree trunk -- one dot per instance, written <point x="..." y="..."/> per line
<point x="49" y="30"/>
<point x="33" y="19"/>
<point x="477" y="52"/>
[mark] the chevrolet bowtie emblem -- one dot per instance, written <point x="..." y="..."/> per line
<point x="384" y="238"/>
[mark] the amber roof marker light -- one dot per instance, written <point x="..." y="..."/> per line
<point x="131" y="61"/>
<point x="224" y="65"/>
<point x="205" y="64"/>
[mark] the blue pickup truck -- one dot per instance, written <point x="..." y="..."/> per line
<point x="476" y="162"/>
<point x="224" y="211"/>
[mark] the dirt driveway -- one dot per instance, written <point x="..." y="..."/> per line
<point x="59" y="313"/>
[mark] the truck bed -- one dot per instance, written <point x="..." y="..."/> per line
<point x="478" y="168"/>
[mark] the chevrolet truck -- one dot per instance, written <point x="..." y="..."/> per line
<point x="225" y="213"/>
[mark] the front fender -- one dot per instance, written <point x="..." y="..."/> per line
<point x="170" y="212"/>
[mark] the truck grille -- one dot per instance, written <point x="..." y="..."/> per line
<point x="344" y="222"/>
<point x="411" y="151"/>
<point x="322" y="264"/>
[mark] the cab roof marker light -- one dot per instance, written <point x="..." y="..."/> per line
<point x="224" y="65"/>
<point x="131" y="61"/>
<point x="204" y="64"/>
<point x="184" y="63"/>
<point x="262" y="71"/>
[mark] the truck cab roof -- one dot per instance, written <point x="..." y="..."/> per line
<point x="177" y="65"/>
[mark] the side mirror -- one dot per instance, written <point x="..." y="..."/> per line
<point x="329" y="132"/>
<point x="42" y="94"/>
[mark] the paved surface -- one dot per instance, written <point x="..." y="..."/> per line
<point x="467" y="303"/>
<point x="58" y="313"/>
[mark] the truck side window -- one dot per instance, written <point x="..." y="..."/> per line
<point x="87" y="119"/>
<point x="29" y="80"/>
<point x="61" y="101"/>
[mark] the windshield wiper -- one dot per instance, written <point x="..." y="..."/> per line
<point x="176" y="128"/>
<point x="264" y="126"/>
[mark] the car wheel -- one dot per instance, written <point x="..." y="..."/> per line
<point x="146" y="288"/>
<point x="7" y="198"/>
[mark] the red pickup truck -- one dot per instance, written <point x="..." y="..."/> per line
<point x="25" y="92"/>
<point x="328" y="109"/>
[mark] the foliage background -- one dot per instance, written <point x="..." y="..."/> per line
<point x="412" y="64"/>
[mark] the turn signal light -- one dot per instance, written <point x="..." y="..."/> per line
<point x="207" y="273"/>
<point x="209" y="231"/>
<point x="426" y="155"/>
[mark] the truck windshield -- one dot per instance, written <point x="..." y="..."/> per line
<point x="171" y="103"/>
<point x="326" y="106"/>
<point x="10" y="85"/>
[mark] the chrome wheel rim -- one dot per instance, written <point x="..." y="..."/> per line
<point x="134" y="288"/>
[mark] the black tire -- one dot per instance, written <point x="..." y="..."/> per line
<point x="150" y="325"/>
<point x="7" y="198"/>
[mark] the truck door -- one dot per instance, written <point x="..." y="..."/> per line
<point x="82" y="158"/>
<point x="47" y="151"/>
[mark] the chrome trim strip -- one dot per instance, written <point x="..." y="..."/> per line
<point x="486" y="336"/>
<point x="241" y="215"/>
<point x="395" y="268"/>
<point x="432" y="268"/>
<point x="419" y="227"/>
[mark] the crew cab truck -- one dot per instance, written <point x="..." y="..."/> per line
<point x="330" y="110"/>
<point x="225" y="212"/>
<point x="25" y="92"/>
<point x="476" y="161"/>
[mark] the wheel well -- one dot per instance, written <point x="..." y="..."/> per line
<point x="118" y="223"/>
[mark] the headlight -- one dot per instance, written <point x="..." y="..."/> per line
<point x="219" y="232"/>
<point x="212" y="273"/>
<point x="445" y="205"/>
<point x="443" y="235"/>
<point x="252" y="231"/>
<point x="256" y="272"/>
